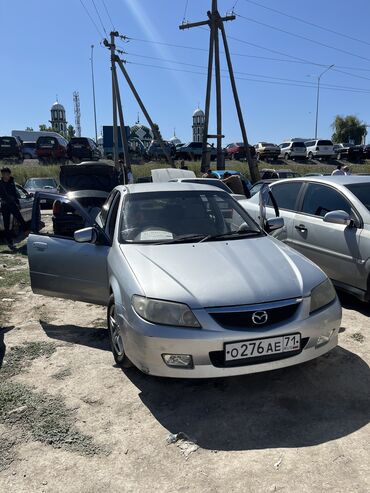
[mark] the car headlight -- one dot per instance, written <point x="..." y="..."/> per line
<point x="164" y="312"/>
<point x="322" y="295"/>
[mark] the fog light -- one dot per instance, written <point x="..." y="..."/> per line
<point x="324" y="338"/>
<point x="178" y="360"/>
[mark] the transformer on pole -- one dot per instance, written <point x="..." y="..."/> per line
<point x="77" y="111"/>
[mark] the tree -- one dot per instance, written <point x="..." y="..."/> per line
<point x="156" y="127"/>
<point x="29" y="129"/>
<point x="348" y="129"/>
<point x="70" y="132"/>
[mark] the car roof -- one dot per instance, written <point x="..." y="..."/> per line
<point x="80" y="194"/>
<point x="168" y="187"/>
<point x="223" y="171"/>
<point x="338" y="179"/>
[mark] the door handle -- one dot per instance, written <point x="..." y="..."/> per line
<point x="40" y="245"/>
<point x="301" y="227"/>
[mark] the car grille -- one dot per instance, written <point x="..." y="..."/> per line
<point x="218" y="357"/>
<point x="243" y="319"/>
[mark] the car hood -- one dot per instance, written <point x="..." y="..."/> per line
<point x="102" y="177"/>
<point x="222" y="273"/>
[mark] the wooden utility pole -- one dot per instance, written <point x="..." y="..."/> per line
<point x="117" y="102"/>
<point x="216" y="24"/>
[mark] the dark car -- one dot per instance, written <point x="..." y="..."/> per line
<point x="155" y="150"/>
<point x="366" y="151"/>
<point x="29" y="150"/>
<point x="87" y="175"/>
<point x="82" y="148"/>
<point x="351" y="152"/>
<point x="10" y="149"/>
<point x="237" y="151"/>
<point x="193" y="151"/>
<point x="52" y="149"/>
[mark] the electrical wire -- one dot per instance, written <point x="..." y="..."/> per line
<point x="317" y="26"/>
<point x="185" y="10"/>
<point x="247" y="73"/>
<point x="101" y="22"/>
<point x="249" y="19"/>
<point x="107" y="12"/>
<point x="92" y="20"/>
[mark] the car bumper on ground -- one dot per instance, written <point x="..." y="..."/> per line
<point x="146" y="343"/>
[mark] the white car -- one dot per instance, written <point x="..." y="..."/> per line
<point x="293" y="150"/>
<point x="320" y="149"/>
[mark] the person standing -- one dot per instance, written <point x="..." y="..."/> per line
<point x="339" y="170"/>
<point x="10" y="205"/>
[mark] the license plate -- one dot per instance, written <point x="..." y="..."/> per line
<point x="43" y="201"/>
<point x="262" y="347"/>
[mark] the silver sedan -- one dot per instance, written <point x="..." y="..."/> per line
<point x="327" y="218"/>
<point x="193" y="287"/>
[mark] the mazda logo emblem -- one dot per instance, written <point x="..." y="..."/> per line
<point x="259" y="318"/>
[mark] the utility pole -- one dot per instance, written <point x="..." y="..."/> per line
<point x="93" y="89"/>
<point x="216" y="24"/>
<point x="318" y="97"/>
<point x="115" y="59"/>
<point x="112" y="48"/>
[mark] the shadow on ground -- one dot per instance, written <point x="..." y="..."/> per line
<point x="351" y="303"/>
<point x="96" y="338"/>
<point x="300" y="406"/>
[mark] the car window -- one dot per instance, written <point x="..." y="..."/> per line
<point x="362" y="192"/>
<point x="112" y="219"/>
<point x="324" y="143"/>
<point x="320" y="199"/>
<point x="310" y="143"/>
<point x="106" y="207"/>
<point x="62" y="221"/>
<point x="21" y="193"/>
<point x="286" y="195"/>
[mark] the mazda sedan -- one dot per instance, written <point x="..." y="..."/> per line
<point x="193" y="287"/>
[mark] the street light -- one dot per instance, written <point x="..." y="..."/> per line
<point x="93" y="88"/>
<point x="318" y="96"/>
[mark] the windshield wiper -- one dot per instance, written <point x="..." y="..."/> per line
<point x="181" y="239"/>
<point x="231" y="235"/>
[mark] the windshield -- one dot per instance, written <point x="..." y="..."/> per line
<point x="169" y="217"/>
<point x="324" y="143"/>
<point x="362" y="192"/>
<point x="41" y="183"/>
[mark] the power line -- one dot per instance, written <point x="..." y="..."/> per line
<point x="299" y="84"/>
<point x="92" y="20"/>
<point x="326" y="29"/>
<point x="302" y="37"/>
<point x="248" y="73"/>
<point x="101" y="22"/>
<point x="185" y="10"/>
<point x="107" y="12"/>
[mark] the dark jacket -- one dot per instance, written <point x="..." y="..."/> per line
<point x="8" y="192"/>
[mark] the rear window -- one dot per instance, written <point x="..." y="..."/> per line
<point x="79" y="140"/>
<point x="362" y="192"/>
<point x="8" y="141"/>
<point x="41" y="141"/>
<point x="324" y="143"/>
<point x="298" y="144"/>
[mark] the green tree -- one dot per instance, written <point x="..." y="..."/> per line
<point x="29" y="129"/>
<point x="156" y="128"/>
<point x="70" y="132"/>
<point x="44" y="128"/>
<point x="348" y="128"/>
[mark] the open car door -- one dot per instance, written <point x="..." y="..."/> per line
<point x="60" y="266"/>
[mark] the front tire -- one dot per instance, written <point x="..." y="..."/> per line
<point x="115" y="336"/>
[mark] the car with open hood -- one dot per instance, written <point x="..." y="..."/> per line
<point x="89" y="175"/>
<point x="193" y="286"/>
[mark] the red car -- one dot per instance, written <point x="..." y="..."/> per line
<point x="52" y="149"/>
<point x="237" y="151"/>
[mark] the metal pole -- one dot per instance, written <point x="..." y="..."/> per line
<point x="126" y="153"/>
<point x="220" y="161"/>
<point x="253" y="167"/>
<point x="114" y="97"/>
<point x="208" y="100"/>
<point x="143" y="109"/>
<point x="93" y="88"/>
<point x="318" y="97"/>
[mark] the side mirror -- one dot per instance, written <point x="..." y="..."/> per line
<point x="274" y="223"/>
<point x="86" y="235"/>
<point x="338" y="217"/>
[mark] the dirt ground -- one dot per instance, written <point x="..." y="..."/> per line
<point x="72" y="421"/>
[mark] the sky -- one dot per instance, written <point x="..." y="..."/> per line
<point x="46" y="49"/>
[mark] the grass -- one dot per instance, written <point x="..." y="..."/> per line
<point x="22" y="172"/>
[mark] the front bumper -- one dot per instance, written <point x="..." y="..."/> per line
<point x="145" y="343"/>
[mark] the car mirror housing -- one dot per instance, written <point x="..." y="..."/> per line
<point x="86" y="235"/>
<point x="338" y="217"/>
<point x="274" y="223"/>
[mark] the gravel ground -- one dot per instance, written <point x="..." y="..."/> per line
<point x="72" y="421"/>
